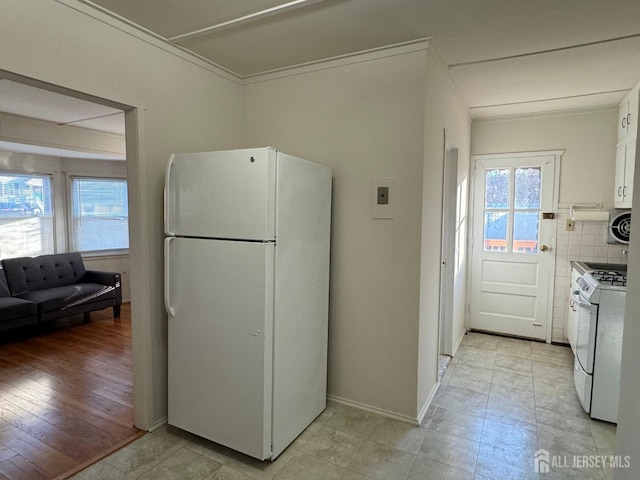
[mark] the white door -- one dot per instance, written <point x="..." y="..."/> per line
<point x="228" y="194"/>
<point x="513" y="243"/>
<point x="219" y="296"/>
<point x="447" y="266"/>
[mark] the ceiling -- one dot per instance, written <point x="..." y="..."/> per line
<point x="506" y="57"/>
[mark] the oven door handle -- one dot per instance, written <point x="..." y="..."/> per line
<point x="579" y="300"/>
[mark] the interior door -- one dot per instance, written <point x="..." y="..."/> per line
<point x="513" y="244"/>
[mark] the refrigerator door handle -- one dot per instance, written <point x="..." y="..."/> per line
<point x="167" y="276"/>
<point x="168" y="203"/>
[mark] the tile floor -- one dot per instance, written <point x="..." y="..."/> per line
<point x="500" y="400"/>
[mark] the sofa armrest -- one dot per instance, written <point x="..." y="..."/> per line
<point x="112" y="279"/>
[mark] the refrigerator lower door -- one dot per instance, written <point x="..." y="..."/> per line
<point x="219" y="295"/>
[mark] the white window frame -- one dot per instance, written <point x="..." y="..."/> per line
<point x="70" y="218"/>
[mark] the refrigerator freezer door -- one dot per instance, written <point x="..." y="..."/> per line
<point x="229" y="194"/>
<point x="220" y="339"/>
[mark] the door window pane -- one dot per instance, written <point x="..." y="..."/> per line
<point x="495" y="231"/>
<point x="26" y="220"/>
<point x="525" y="232"/>
<point x="100" y="214"/>
<point x="527" y="190"/>
<point x="497" y="188"/>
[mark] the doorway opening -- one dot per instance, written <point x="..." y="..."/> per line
<point x="51" y="118"/>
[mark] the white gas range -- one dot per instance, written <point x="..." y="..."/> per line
<point x="600" y="299"/>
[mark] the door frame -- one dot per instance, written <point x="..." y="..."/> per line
<point x="472" y="213"/>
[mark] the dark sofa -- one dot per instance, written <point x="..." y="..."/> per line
<point x="34" y="290"/>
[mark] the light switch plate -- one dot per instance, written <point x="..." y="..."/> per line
<point x="383" y="198"/>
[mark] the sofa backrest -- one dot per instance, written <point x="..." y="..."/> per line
<point x="26" y="274"/>
<point x="4" y="288"/>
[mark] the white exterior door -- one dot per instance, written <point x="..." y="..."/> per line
<point x="513" y="243"/>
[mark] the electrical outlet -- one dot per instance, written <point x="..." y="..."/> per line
<point x="382" y="201"/>
<point x="571" y="225"/>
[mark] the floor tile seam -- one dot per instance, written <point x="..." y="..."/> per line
<point x="171" y="455"/>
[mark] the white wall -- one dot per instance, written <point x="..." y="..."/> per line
<point x="365" y="120"/>
<point x="182" y="106"/>
<point x="588" y="138"/>
<point x="444" y="115"/>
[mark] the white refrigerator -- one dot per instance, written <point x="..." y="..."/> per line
<point x="246" y="292"/>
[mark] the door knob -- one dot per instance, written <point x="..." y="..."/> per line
<point x="544" y="248"/>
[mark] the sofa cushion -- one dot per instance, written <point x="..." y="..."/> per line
<point x="4" y="288"/>
<point x="57" y="298"/>
<point x="12" y="308"/>
<point x="28" y="274"/>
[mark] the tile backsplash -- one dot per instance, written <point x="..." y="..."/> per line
<point x="588" y="242"/>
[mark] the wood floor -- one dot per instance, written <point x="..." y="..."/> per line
<point x="66" y="396"/>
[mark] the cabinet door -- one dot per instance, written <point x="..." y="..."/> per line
<point x="628" y="114"/>
<point x="621" y="153"/>
<point x="623" y="114"/>
<point x="632" y="112"/>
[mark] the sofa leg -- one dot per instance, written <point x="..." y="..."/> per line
<point x="86" y="317"/>
<point x="116" y="311"/>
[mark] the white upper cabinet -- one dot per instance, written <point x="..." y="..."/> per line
<point x="626" y="149"/>
<point x="628" y="114"/>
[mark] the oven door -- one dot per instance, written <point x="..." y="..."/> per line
<point x="585" y="346"/>
<point x="586" y="338"/>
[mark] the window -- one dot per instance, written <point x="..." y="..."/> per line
<point x="26" y="220"/>
<point x="100" y="215"/>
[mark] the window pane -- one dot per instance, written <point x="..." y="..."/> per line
<point x="497" y="188"/>
<point x="495" y="231"/>
<point x="100" y="214"/>
<point x="528" y="187"/>
<point x="26" y="220"/>
<point x="525" y="232"/>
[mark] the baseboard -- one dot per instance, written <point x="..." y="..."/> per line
<point x="376" y="410"/>
<point x="159" y="424"/>
<point x="427" y="403"/>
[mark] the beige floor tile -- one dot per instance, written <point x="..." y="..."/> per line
<point x="227" y="473"/>
<point x="604" y="434"/>
<point x="351" y="475"/>
<point x="334" y="446"/>
<point x="499" y="464"/>
<point x="513" y="379"/>
<point x="510" y="363"/>
<point x="476" y="357"/>
<point x="464" y="400"/>
<point x="502" y="394"/>
<point x="511" y="413"/>
<point x="255" y="468"/>
<point x="427" y="469"/>
<point x="513" y="439"/>
<point x="101" y="471"/>
<point x="457" y="424"/>
<point x="353" y="421"/>
<point x="451" y="450"/>
<point x="183" y="464"/>
<point x="143" y="454"/>
<point x="567" y="423"/>
<point x="479" y="340"/>
<point x="382" y="463"/>
<point x="310" y="468"/>
<point x="400" y="435"/>
<point x="560" y="442"/>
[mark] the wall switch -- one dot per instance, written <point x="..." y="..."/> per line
<point x="382" y="205"/>
<point x="571" y="225"/>
<point x="383" y="196"/>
